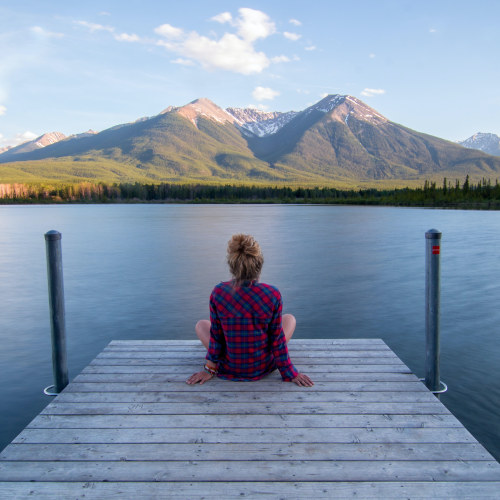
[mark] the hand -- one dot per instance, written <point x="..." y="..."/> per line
<point x="303" y="380"/>
<point x="200" y="377"/>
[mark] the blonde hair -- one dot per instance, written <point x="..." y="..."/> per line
<point x="244" y="257"/>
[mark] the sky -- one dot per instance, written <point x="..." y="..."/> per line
<point x="432" y="66"/>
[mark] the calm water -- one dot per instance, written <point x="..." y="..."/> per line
<point x="146" y="271"/>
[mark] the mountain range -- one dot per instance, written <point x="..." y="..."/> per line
<point x="338" y="139"/>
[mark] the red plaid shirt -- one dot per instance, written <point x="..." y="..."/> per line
<point x="246" y="337"/>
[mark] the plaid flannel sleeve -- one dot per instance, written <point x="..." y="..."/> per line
<point x="279" y="347"/>
<point x="217" y="343"/>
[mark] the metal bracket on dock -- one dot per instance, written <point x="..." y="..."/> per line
<point x="440" y="391"/>
<point x="47" y="391"/>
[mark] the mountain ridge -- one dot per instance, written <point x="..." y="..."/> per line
<point x="337" y="139"/>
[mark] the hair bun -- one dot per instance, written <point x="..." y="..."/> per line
<point x="244" y="244"/>
<point x="244" y="257"/>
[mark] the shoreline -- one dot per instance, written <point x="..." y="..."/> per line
<point x="485" y="206"/>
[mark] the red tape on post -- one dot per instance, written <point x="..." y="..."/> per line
<point x="436" y="250"/>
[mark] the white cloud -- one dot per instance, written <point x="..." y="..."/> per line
<point x="264" y="94"/>
<point x="372" y="56"/>
<point x="323" y="95"/>
<point x="38" y="30"/>
<point x="125" y="37"/>
<point x="372" y="92"/>
<point x="93" y="27"/>
<point x="3" y="110"/>
<point x="232" y="51"/>
<point x="182" y="62"/>
<point x="291" y="36"/>
<point x="26" y="136"/>
<point x="223" y="17"/>
<point x="280" y="59"/>
<point x="168" y="31"/>
<point x="254" y="24"/>
<point x="433" y="30"/>
<point x="251" y="24"/>
<point x="295" y="22"/>
<point x="311" y="47"/>
<point x="120" y="37"/>
<point x="18" y="139"/>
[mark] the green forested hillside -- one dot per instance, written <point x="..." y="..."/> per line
<point x="359" y="151"/>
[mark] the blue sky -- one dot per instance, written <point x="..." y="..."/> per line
<point x="65" y="66"/>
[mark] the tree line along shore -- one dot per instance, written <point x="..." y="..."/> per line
<point x="466" y="194"/>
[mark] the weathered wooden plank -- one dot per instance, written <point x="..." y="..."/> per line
<point x="100" y="367"/>
<point x="299" y="470"/>
<point x="157" y="434"/>
<point x="330" y="344"/>
<point x="276" y="408"/>
<point x="169" y="408"/>
<point x="158" y="361"/>
<point x="386" y="353"/>
<point x="240" y="397"/>
<point x="107" y="378"/>
<point x="307" y="351"/>
<point x="272" y="381"/>
<point x="295" y="490"/>
<point x="305" y="422"/>
<point x="167" y="383"/>
<point x="211" y="406"/>
<point x="193" y="342"/>
<point x="250" y="451"/>
<point x="294" y="341"/>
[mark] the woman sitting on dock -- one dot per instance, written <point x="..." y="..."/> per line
<point x="247" y="335"/>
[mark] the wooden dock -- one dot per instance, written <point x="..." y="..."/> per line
<point x="130" y="427"/>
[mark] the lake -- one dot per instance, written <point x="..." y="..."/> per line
<point x="146" y="272"/>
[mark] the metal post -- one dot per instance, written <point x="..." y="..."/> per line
<point x="432" y="309"/>
<point x="57" y="316"/>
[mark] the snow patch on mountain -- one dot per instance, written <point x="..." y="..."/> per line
<point x="364" y="112"/>
<point x="488" y="143"/>
<point x="329" y="103"/>
<point x="251" y="115"/>
<point x="260" y="123"/>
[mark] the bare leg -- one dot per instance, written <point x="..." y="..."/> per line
<point x="288" y="322"/>
<point x="202" y="329"/>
